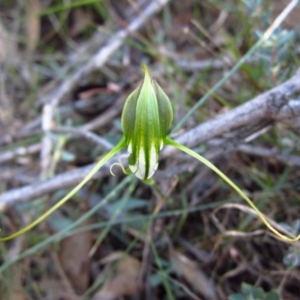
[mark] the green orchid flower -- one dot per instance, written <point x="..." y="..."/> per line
<point x="146" y="120"/>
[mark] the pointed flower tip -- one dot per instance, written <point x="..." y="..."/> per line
<point x="144" y="68"/>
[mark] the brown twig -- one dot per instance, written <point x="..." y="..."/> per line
<point x="103" y="54"/>
<point x="289" y="159"/>
<point x="20" y="151"/>
<point x="43" y="187"/>
<point x="86" y="134"/>
<point x="270" y="105"/>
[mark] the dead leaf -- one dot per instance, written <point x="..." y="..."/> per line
<point x="74" y="258"/>
<point x="194" y="276"/>
<point x="17" y="292"/>
<point x="55" y="289"/>
<point x="121" y="273"/>
<point x="32" y="25"/>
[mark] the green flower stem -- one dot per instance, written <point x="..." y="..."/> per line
<point x="95" y="169"/>
<point x="192" y="153"/>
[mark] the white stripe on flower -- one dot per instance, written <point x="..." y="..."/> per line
<point x="139" y="168"/>
<point x="129" y="149"/>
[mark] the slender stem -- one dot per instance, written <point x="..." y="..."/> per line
<point x="170" y="142"/>
<point x="96" y="168"/>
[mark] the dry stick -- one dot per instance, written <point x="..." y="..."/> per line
<point x="11" y="138"/>
<point x="280" y="18"/>
<point x="99" y="121"/>
<point x="73" y="131"/>
<point x="20" y="151"/>
<point x="289" y="159"/>
<point x="53" y="184"/>
<point x="19" y="174"/>
<point x="47" y="142"/>
<point x="268" y="105"/>
<point x="86" y="134"/>
<point x="82" y="130"/>
<point x="105" y="117"/>
<point x="204" y="64"/>
<point x="249" y="210"/>
<point x="99" y="59"/>
<point x="104" y="53"/>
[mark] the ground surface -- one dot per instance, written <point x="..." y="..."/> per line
<point x="66" y="70"/>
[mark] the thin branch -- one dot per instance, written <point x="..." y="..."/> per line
<point x="86" y="134"/>
<point x="47" y="142"/>
<point x="289" y="159"/>
<point x="34" y="148"/>
<point x="67" y="179"/>
<point x="104" y="53"/>
<point x="270" y="105"/>
<point x="20" y="174"/>
<point x="98" y="59"/>
<point x="21" y="151"/>
<point x="280" y="18"/>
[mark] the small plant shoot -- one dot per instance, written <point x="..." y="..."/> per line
<point x="146" y="119"/>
